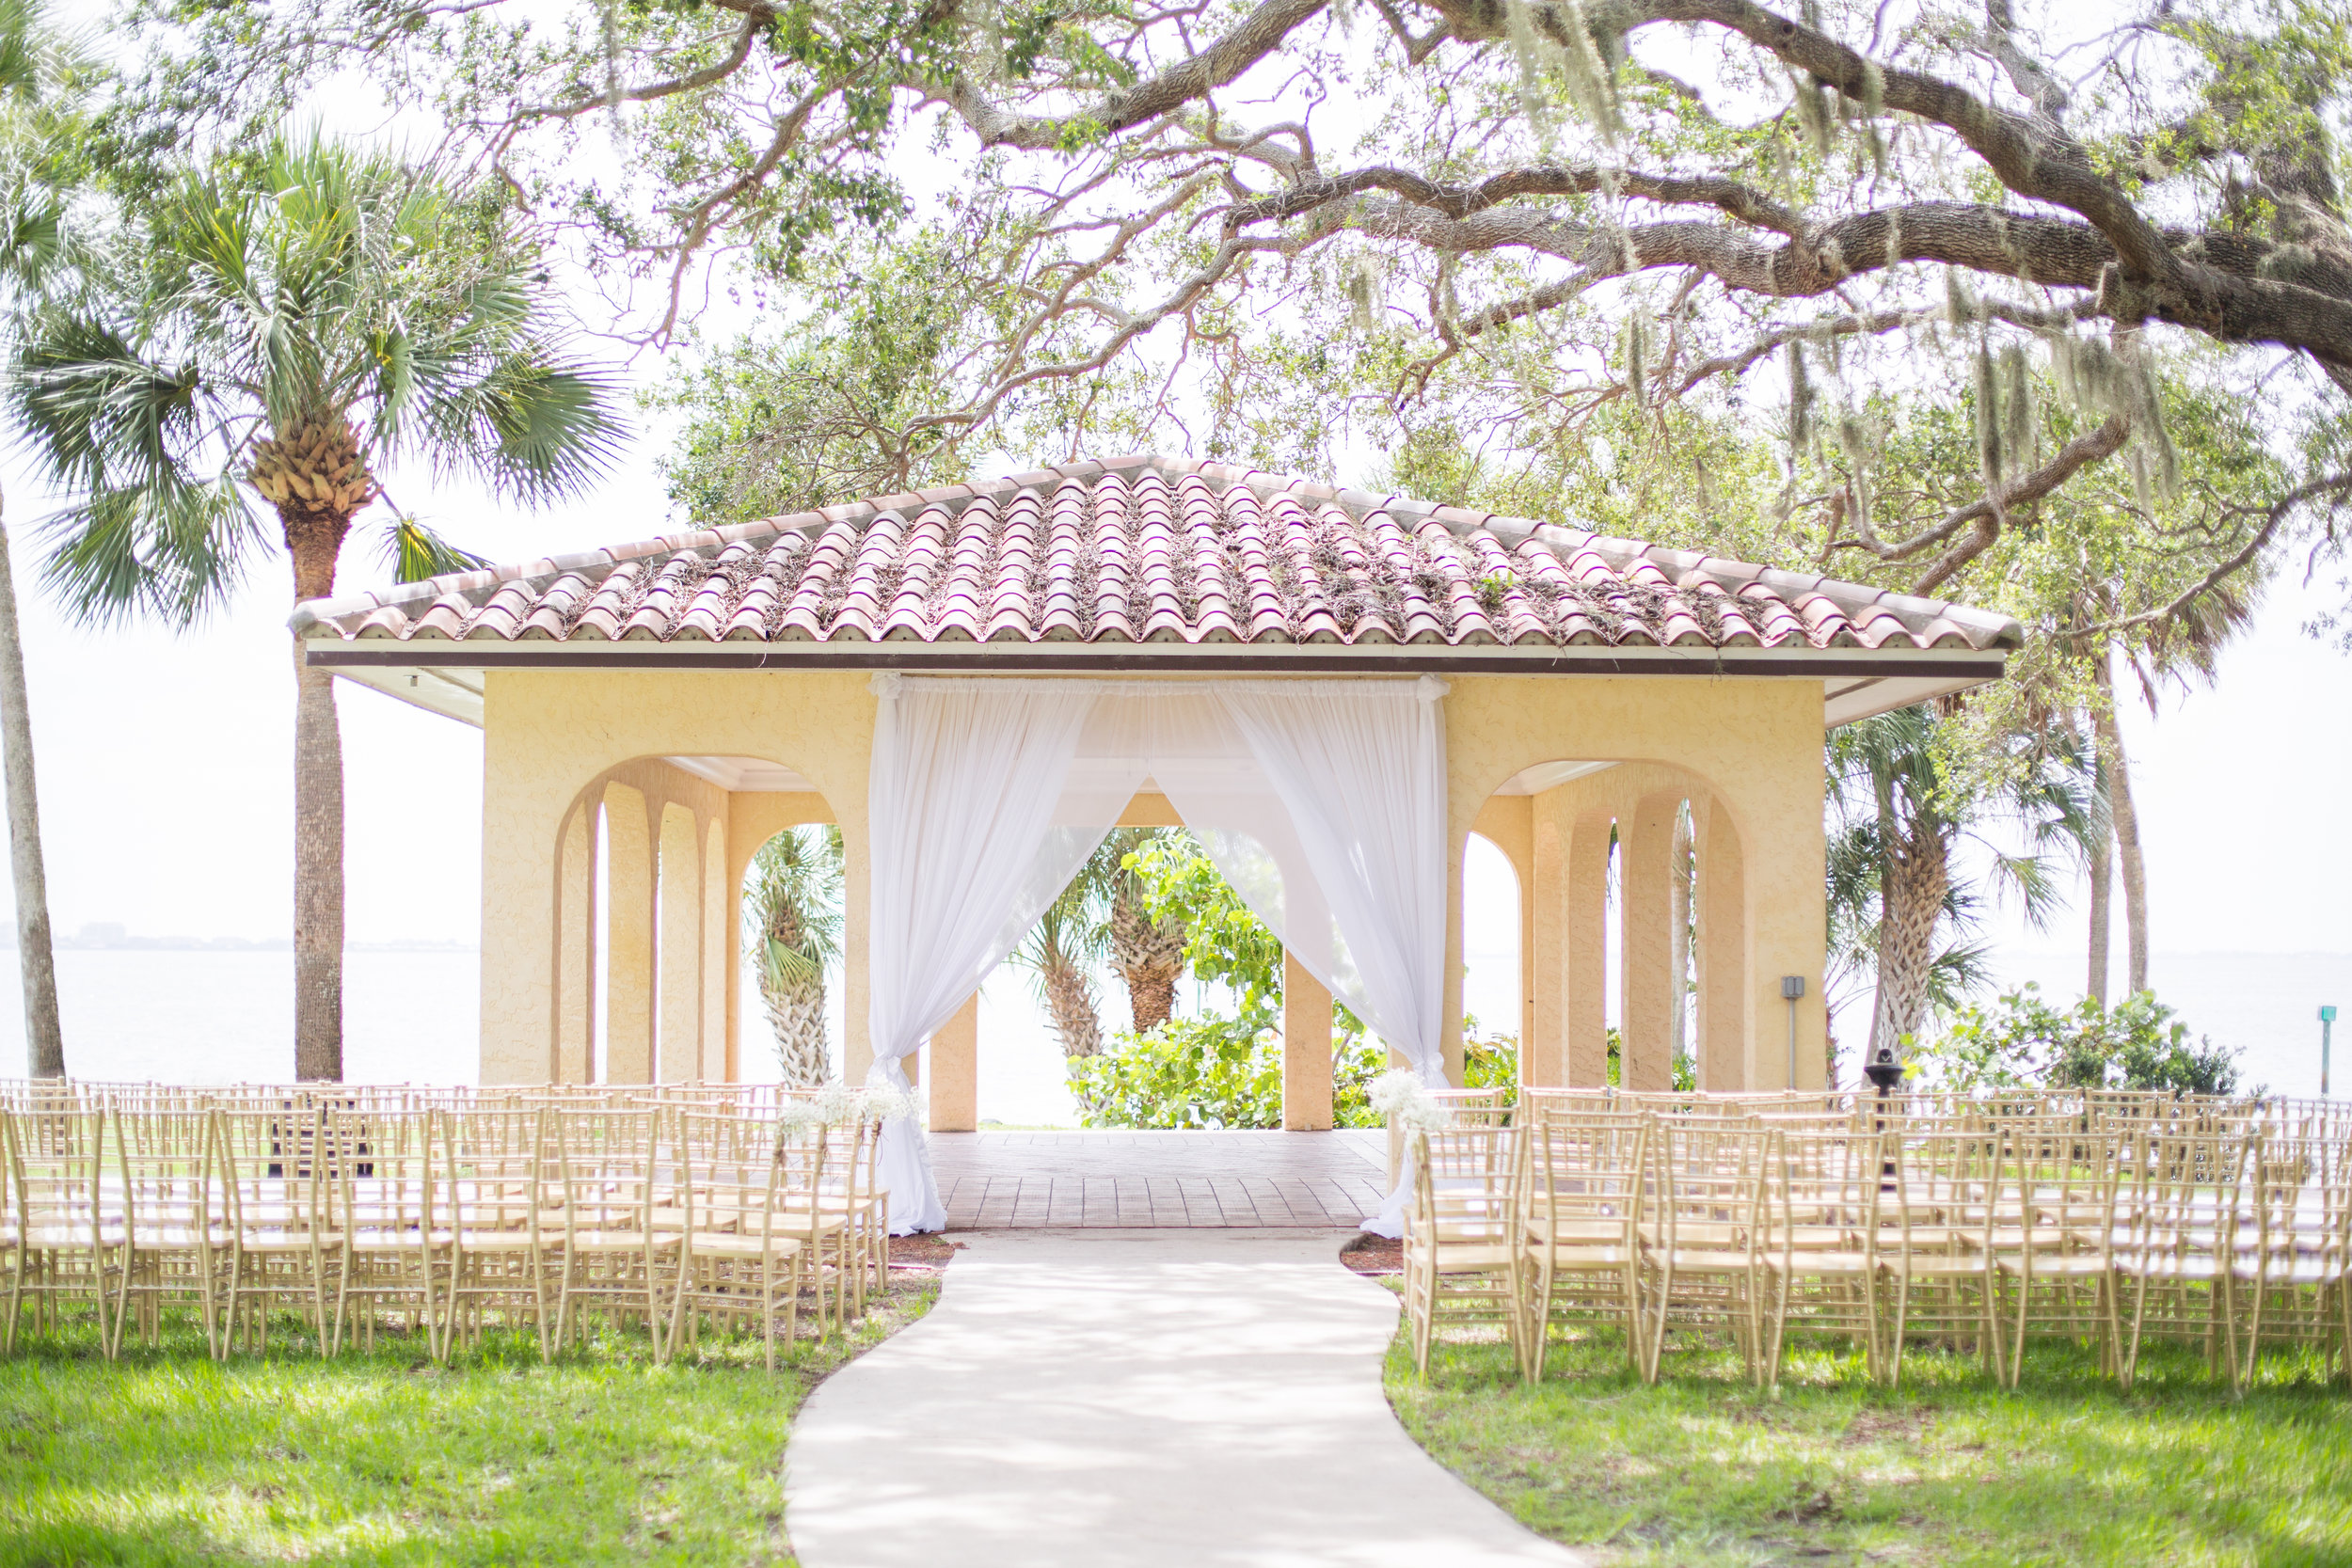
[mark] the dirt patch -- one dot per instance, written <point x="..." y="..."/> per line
<point x="1373" y="1255"/>
<point x="922" y="1254"/>
<point x="1886" y="1426"/>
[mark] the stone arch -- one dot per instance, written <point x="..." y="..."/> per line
<point x="1573" y="817"/>
<point x="661" y="935"/>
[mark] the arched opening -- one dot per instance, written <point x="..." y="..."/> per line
<point x="1634" y="923"/>
<point x="1015" y="1169"/>
<point x="648" y="893"/>
<point x="1494" y="991"/>
<point x="789" y="983"/>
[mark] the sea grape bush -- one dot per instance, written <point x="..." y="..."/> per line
<point x="2023" y="1040"/>
<point x="1213" y="1072"/>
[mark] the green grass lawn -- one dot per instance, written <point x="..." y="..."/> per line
<point x="1705" y="1470"/>
<point x="385" y="1457"/>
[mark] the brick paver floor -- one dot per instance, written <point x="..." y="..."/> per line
<point x="1137" y="1181"/>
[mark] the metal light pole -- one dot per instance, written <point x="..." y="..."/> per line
<point x="1791" y="988"/>
<point x="2327" y="1037"/>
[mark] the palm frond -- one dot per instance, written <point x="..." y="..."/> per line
<point x="415" y="552"/>
<point x="793" y="897"/>
<point x="533" y="428"/>
<point x="174" y="550"/>
<point x="1957" y="973"/>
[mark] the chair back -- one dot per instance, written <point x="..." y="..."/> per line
<point x="1465" y="1185"/>
<point x="1587" y="1176"/>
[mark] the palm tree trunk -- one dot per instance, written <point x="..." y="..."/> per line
<point x="2102" y="905"/>
<point x="1148" y="955"/>
<point x="1911" y="901"/>
<point x="45" y="1035"/>
<point x="2126" y="831"/>
<point x="315" y="541"/>
<point x="797" y="1015"/>
<point x="1070" y="1009"/>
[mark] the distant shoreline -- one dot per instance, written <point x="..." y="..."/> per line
<point x="231" y="944"/>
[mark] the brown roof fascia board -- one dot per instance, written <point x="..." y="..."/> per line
<point x="1046" y="658"/>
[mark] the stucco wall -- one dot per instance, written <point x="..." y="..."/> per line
<point x="550" y="735"/>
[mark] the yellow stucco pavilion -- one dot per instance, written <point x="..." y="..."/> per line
<point x="688" y="697"/>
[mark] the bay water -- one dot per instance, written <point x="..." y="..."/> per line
<point x="224" y="1017"/>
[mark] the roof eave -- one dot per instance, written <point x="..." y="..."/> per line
<point x="447" y="677"/>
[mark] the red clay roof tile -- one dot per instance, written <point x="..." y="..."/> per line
<point x="1149" y="549"/>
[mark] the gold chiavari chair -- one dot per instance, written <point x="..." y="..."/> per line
<point x="496" y="1182"/>
<point x="1703" y="1235"/>
<point x="1464" y="1258"/>
<point x="1936" y="1218"/>
<point x="739" y="1259"/>
<point x="1537" y="1104"/>
<point x="617" y="1250"/>
<point x="2055" y="1232"/>
<point x="180" y="1251"/>
<point x="1821" y="1247"/>
<point x="279" y="1213"/>
<point x="392" y="1217"/>
<point x="1583" y="1229"/>
<point x="71" y="1247"/>
<point x="868" y="1208"/>
<point x="2291" y="1253"/>
<point x="818" y="1211"/>
<point x="2174" y="1255"/>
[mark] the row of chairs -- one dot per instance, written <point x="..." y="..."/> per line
<point x="1983" y="1226"/>
<point x="664" y="1215"/>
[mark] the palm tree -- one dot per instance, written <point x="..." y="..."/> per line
<point x="41" y="73"/>
<point x="282" y="328"/>
<point x="1146" y="953"/>
<point x="1888" y="777"/>
<point x="2185" y="647"/>
<point x="792" y="912"/>
<point x="1065" y="944"/>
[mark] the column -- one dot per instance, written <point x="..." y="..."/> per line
<point x="955" y="1093"/>
<point x="1544" y="1053"/>
<point x="1782" y="854"/>
<point x="857" y="1043"/>
<point x="1450" y="1019"/>
<point x="1306" y="1051"/>
<point x="526" y="797"/>
<point x="679" y="1005"/>
<point x="629" y="940"/>
<point x="717" y="1061"/>
<point x="1720" y="955"/>
<point x="576" y="949"/>
<point x="1645" y="878"/>
<point x="1586" y="1010"/>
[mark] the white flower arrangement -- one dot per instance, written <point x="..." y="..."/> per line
<point x="1400" y="1097"/>
<point x="836" y="1101"/>
<point x="799" y="1113"/>
<point x="883" y="1103"/>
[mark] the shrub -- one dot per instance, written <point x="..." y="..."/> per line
<point x="2023" y="1040"/>
<point x="1213" y="1072"/>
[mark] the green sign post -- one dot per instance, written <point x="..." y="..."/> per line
<point x="2327" y="1037"/>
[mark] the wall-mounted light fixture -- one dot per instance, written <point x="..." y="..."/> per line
<point x="1792" y="988"/>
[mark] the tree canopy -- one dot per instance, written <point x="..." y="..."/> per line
<point x="1277" y="223"/>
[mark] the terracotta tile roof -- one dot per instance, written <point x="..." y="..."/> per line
<point x="1151" y="550"/>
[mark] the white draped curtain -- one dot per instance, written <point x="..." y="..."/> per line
<point x="1323" y="802"/>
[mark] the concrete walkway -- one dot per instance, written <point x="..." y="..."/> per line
<point x="1150" y="1399"/>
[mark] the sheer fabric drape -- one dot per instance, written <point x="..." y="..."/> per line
<point x="1323" y="802"/>
<point x="965" y="856"/>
